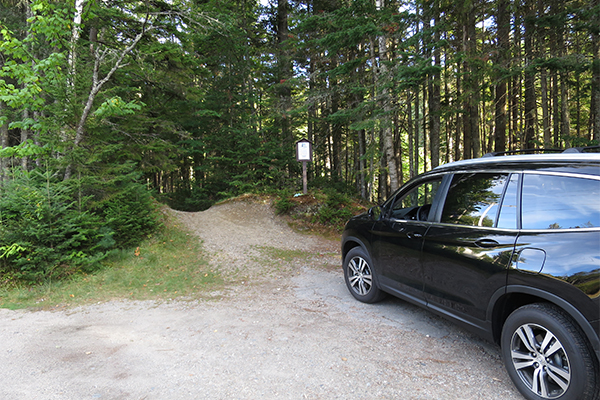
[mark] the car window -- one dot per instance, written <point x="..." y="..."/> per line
<point x="473" y="199"/>
<point x="507" y="218"/>
<point x="560" y="202"/>
<point x="417" y="202"/>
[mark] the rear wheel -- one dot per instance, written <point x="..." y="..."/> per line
<point x="360" y="277"/>
<point x="547" y="355"/>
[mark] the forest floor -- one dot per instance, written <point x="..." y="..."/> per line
<point x="284" y="327"/>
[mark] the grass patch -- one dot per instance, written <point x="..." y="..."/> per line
<point x="285" y="260"/>
<point x="169" y="265"/>
<point x="284" y="255"/>
<point x="277" y="260"/>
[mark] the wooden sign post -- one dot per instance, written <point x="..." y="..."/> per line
<point x="304" y="154"/>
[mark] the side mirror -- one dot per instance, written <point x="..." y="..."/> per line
<point x="376" y="213"/>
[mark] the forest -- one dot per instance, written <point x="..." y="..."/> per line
<point x="108" y="106"/>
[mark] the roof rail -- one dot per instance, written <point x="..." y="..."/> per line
<point x="585" y="149"/>
<point x="524" y="151"/>
<point x="582" y="149"/>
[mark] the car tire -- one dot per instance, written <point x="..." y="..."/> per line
<point x="360" y="277"/>
<point x="547" y="356"/>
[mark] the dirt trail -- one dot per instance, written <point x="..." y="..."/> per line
<point x="284" y="330"/>
<point x="236" y="234"/>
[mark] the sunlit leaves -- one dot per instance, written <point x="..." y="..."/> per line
<point x="115" y="106"/>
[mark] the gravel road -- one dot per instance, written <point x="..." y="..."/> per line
<point x="283" y="329"/>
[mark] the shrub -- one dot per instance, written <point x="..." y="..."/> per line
<point x="52" y="229"/>
<point x="327" y="209"/>
<point x="129" y="211"/>
<point x="48" y="234"/>
<point x="335" y="210"/>
<point x="282" y="205"/>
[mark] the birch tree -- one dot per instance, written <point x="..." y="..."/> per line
<point x="75" y="34"/>
<point x="100" y="55"/>
<point x="385" y="100"/>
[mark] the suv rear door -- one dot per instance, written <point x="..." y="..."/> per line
<point x="559" y="241"/>
<point x="467" y="253"/>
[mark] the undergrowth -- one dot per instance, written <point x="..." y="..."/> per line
<point x="170" y="264"/>
<point x="320" y="211"/>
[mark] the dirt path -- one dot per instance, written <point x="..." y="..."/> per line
<point x="287" y="329"/>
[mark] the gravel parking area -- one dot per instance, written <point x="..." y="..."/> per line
<point x="283" y="329"/>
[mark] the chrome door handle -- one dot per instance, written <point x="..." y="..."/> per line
<point x="414" y="235"/>
<point x="486" y="243"/>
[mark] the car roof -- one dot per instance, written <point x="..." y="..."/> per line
<point x="532" y="161"/>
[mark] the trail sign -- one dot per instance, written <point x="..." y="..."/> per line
<point x="303" y="150"/>
<point x="304" y="154"/>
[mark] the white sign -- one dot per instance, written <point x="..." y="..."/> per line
<point x="303" y="151"/>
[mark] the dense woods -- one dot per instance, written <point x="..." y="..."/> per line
<point x="197" y="100"/>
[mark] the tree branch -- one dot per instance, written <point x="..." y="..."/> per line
<point x="97" y="83"/>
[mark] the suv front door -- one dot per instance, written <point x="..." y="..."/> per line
<point x="398" y="238"/>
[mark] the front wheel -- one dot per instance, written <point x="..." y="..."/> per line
<point x="547" y="356"/>
<point x="360" y="277"/>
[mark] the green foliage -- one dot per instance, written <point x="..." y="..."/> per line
<point x="115" y="106"/>
<point x="29" y="71"/>
<point x="50" y="228"/>
<point x="167" y="265"/>
<point x="336" y="209"/>
<point x="329" y="185"/>
<point x="46" y="235"/>
<point x="11" y="251"/>
<point x="128" y="209"/>
<point x="327" y="209"/>
<point x="283" y="205"/>
<point x="25" y="149"/>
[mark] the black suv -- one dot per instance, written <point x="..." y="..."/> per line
<point x="508" y="247"/>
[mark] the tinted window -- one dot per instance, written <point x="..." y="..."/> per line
<point x="558" y="202"/>
<point x="508" y="212"/>
<point x="406" y="206"/>
<point x="473" y="199"/>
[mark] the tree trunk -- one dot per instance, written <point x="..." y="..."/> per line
<point x="515" y="91"/>
<point x="417" y="135"/>
<point x="555" y="109"/>
<point x="595" y="100"/>
<point x="75" y="34"/>
<point x="4" y="162"/>
<point x="411" y="152"/>
<point x="24" y="136"/>
<point x="97" y="84"/>
<point x="285" y="72"/>
<point x="474" y="82"/>
<point x="554" y="37"/>
<point x="312" y="114"/>
<point x="530" y="106"/>
<point x="385" y="97"/>
<point x="362" y="182"/>
<point x="565" y="128"/>
<point x="336" y="131"/>
<point x="466" y="120"/>
<point x="503" y="25"/>
<point x="472" y="141"/>
<point x="545" y="109"/>
<point x="434" y="94"/>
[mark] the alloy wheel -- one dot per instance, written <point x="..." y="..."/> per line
<point x="360" y="276"/>
<point x="540" y="361"/>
